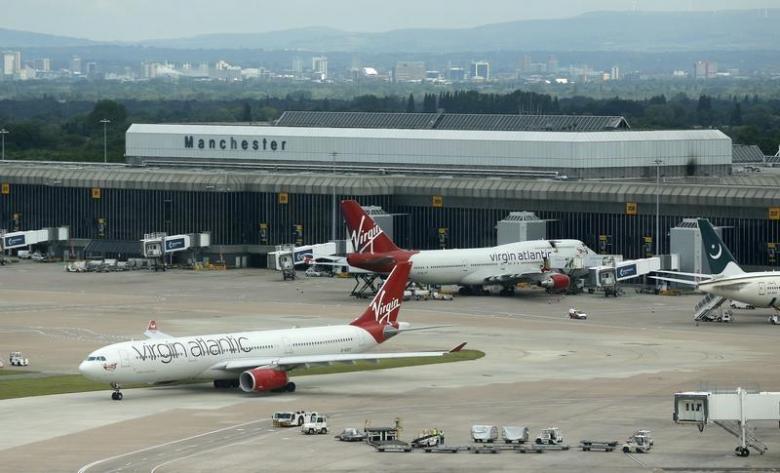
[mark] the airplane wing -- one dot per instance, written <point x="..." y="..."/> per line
<point x="152" y="332"/>
<point x="292" y="362"/>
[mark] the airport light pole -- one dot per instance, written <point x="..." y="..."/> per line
<point x="658" y="163"/>
<point x="105" y="123"/>
<point x="333" y="197"/>
<point x="3" y="132"/>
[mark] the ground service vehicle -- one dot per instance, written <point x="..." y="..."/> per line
<point x="639" y="442"/>
<point x="17" y="359"/>
<point x="315" y="424"/>
<point x="576" y="314"/>
<point x="484" y="433"/>
<point x="288" y="419"/>
<point x="351" y="434"/>
<point x="550" y="436"/>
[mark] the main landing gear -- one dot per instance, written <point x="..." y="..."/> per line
<point x="117" y="394"/>
<point x="287" y="388"/>
<point x="225" y="383"/>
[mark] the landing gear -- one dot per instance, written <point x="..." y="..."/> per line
<point x="742" y="451"/>
<point x="117" y="394"/>
<point x="226" y="383"/>
<point x="290" y="388"/>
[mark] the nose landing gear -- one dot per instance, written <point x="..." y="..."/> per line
<point x="117" y="394"/>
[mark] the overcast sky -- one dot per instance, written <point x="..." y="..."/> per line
<point x="130" y="20"/>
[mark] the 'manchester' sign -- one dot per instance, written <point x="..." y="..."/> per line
<point x="231" y="143"/>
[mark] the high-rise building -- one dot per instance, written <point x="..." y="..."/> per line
<point x="319" y="66"/>
<point x="297" y="67"/>
<point x="614" y="73"/>
<point x="552" y="65"/>
<point x="480" y="70"/>
<point x="9" y="60"/>
<point x="409" y="71"/>
<point x="43" y="64"/>
<point x="705" y="70"/>
<point x="75" y="65"/>
<point x="456" y="74"/>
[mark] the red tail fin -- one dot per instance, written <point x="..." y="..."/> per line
<point x="366" y="235"/>
<point x="386" y="305"/>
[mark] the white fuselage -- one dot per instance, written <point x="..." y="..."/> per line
<point x="159" y="360"/>
<point x="760" y="289"/>
<point x="476" y="267"/>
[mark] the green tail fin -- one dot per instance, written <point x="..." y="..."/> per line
<point x="718" y="255"/>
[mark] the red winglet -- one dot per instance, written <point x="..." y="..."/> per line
<point x="458" y="348"/>
<point x="152" y="327"/>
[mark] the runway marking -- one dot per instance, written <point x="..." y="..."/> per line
<point x="173" y="442"/>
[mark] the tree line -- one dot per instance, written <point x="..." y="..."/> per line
<point x="48" y="129"/>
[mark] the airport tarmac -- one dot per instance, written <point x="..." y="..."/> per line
<point x="597" y="379"/>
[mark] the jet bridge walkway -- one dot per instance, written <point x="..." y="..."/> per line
<point x="732" y="411"/>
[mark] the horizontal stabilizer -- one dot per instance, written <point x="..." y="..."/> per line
<point x="693" y="275"/>
<point x="681" y="281"/>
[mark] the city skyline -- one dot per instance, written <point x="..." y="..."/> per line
<point x="144" y="20"/>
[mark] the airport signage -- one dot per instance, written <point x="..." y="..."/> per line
<point x="231" y="143"/>
<point x="626" y="271"/>
<point x="16" y="240"/>
<point x="174" y="244"/>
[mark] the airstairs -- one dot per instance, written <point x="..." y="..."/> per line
<point x="704" y="309"/>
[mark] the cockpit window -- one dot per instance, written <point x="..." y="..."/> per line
<point x="96" y="358"/>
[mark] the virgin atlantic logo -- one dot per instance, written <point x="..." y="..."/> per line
<point x="383" y="310"/>
<point x="363" y="240"/>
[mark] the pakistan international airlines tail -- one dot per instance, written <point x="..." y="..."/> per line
<point x="472" y="269"/>
<point x="254" y="361"/>
<point x="728" y="281"/>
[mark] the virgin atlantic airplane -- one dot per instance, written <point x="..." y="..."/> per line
<point x="255" y="361"/>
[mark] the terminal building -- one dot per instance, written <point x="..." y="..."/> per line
<point x="447" y="179"/>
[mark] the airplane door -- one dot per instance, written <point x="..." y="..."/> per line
<point x="761" y="288"/>
<point x="125" y="358"/>
<point x="287" y="346"/>
<point x="466" y="266"/>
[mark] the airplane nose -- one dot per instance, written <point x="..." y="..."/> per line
<point x="83" y="368"/>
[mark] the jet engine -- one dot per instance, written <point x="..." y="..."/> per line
<point x="264" y="379"/>
<point x="556" y="281"/>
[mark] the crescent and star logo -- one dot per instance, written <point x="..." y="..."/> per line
<point x="109" y="366"/>
<point x="717" y="254"/>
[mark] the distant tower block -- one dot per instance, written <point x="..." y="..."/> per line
<point x="521" y="226"/>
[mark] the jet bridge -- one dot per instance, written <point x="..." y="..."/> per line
<point x="156" y="246"/>
<point x="21" y="239"/>
<point x="730" y="410"/>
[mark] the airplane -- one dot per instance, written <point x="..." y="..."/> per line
<point x="471" y="269"/>
<point x="728" y="280"/>
<point x="256" y="361"/>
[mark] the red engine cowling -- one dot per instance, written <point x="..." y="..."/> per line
<point x="262" y="379"/>
<point x="557" y="281"/>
